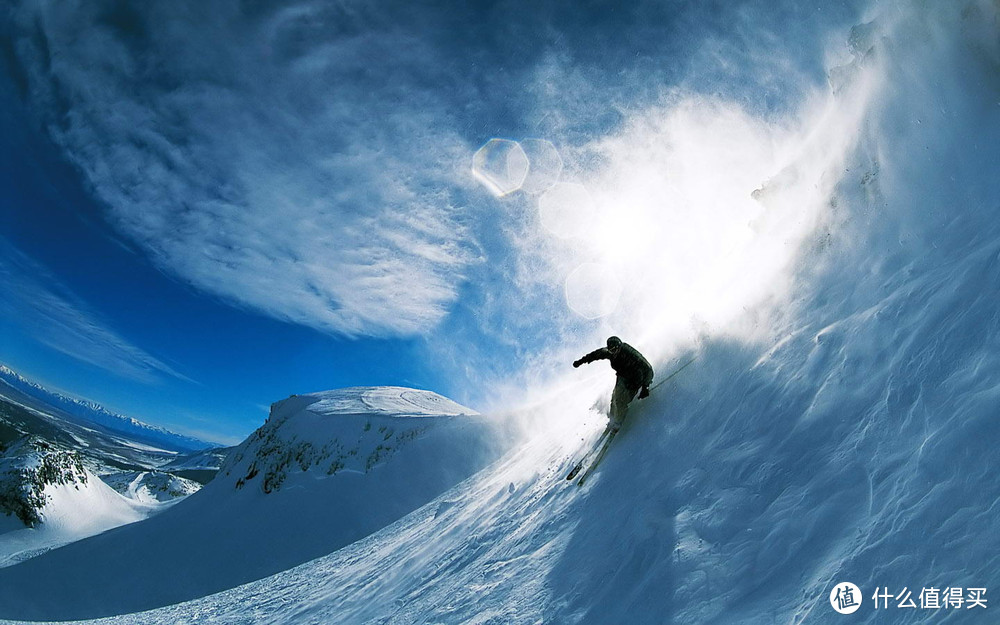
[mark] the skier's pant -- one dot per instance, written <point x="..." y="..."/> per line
<point x="620" y="399"/>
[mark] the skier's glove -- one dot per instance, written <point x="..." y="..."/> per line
<point x="644" y="393"/>
<point x="577" y="363"/>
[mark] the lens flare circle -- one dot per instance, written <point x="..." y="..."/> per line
<point x="501" y="166"/>
<point x="593" y="290"/>
<point x="544" y="165"/>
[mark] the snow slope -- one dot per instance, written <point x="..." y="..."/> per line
<point x="324" y="471"/>
<point x="854" y="439"/>
<point x="150" y="486"/>
<point x="74" y="505"/>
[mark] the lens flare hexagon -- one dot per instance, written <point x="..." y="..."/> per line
<point x="501" y="165"/>
<point x="544" y="165"/>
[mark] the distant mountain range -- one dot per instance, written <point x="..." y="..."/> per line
<point x="95" y="413"/>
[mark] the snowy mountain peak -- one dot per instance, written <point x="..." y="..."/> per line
<point x="372" y="424"/>
<point x="380" y="400"/>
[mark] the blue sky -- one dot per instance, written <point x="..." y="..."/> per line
<point x="207" y="207"/>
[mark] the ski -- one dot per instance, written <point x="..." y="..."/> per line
<point x="597" y="459"/>
<point x="575" y="470"/>
<point x="669" y="377"/>
<point x="604" y="441"/>
<point x="597" y="446"/>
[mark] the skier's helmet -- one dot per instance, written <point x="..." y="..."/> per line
<point x="614" y="344"/>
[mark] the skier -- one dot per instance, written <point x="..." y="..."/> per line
<point x="634" y="376"/>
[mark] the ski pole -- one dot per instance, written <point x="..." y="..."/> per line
<point x="682" y="368"/>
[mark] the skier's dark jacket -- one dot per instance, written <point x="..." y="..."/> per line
<point x="628" y="363"/>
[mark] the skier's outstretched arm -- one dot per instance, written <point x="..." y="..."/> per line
<point x="597" y="354"/>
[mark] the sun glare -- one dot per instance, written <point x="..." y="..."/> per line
<point x="697" y="213"/>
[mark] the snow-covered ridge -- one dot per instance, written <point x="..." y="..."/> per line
<point x="396" y="401"/>
<point x="353" y="429"/>
<point x="48" y="498"/>
<point x="325" y="470"/>
<point x="150" y="486"/>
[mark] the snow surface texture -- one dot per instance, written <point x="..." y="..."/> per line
<point x="324" y="471"/>
<point x="855" y="442"/>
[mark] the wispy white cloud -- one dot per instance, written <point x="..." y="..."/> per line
<point x="31" y="298"/>
<point x="294" y="161"/>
